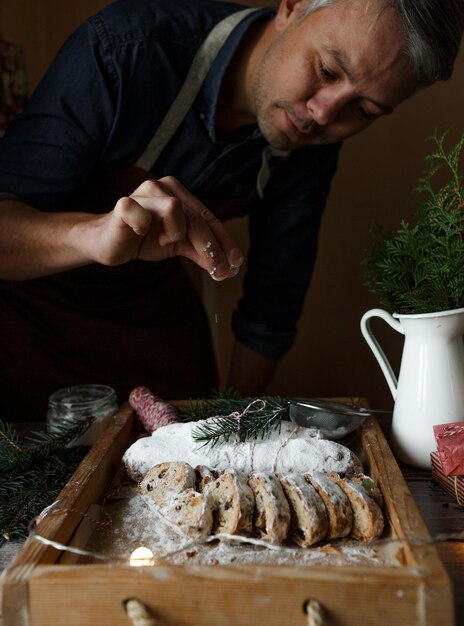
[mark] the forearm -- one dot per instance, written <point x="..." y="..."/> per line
<point x="159" y="220"/>
<point x="34" y="243"/>
<point x="250" y="372"/>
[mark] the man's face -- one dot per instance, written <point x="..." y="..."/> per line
<point x="329" y="75"/>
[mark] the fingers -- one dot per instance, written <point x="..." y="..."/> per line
<point x="214" y="249"/>
<point x="168" y="214"/>
<point x="128" y="212"/>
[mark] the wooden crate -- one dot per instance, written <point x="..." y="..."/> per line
<point x="41" y="589"/>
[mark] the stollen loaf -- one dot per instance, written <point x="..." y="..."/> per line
<point x="290" y="449"/>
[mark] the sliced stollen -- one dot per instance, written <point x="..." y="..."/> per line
<point x="272" y="512"/>
<point x="370" y="486"/>
<point x="309" y="520"/>
<point x="368" y="523"/>
<point x="232" y="502"/>
<point x="191" y="511"/>
<point x="205" y="478"/>
<point x="165" y="479"/>
<point x="336" y="502"/>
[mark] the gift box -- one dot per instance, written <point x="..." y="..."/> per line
<point x="452" y="484"/>
<point x="450" y="447"/>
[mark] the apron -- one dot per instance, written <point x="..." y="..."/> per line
<point x="79" y="326"/>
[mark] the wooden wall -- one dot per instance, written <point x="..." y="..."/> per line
<point x="378" y="170"/>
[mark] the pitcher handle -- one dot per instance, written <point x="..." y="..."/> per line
<point x="375" y="346"/>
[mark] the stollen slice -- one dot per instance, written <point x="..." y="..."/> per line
<point x="336" y="502"/>
<point x="232" y="502"/>
<point x="271" y="519"/>
<point x="309" y="519"/>
<point x="368" y="521"/>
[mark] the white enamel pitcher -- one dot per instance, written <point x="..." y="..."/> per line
<point x="430" y="386"/>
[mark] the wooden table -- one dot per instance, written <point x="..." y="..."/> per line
<point x="443" y="516"/>
<point x="441" y="513"/>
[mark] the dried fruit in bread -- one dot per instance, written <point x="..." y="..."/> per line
<point x="166" y="479"/>
<point x="191" y="511"/>
<point x="370" y="486"/>
<point x="205" y="478"/>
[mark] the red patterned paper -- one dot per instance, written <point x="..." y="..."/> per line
<point x="450" y="446"/>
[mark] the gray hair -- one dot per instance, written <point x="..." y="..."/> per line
<point x="432" y="33"/>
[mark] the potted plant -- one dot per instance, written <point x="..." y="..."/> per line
<point x="418" y="274"/>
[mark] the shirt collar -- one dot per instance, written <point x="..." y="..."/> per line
<point x="209" y="94"/>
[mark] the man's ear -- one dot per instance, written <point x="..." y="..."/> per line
<point x="287" y="11"/>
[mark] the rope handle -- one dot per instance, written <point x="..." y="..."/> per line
<point x="139" y="614"/>
<point x="314" y="613"/>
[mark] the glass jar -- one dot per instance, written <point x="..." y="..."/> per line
<point x="70" y="404"/>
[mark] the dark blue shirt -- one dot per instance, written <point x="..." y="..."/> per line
<point x="101" y="102"/>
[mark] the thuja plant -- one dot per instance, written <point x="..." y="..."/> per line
<point x="420" y="268"/>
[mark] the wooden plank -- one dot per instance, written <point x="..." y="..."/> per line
<point x="226" y="596"/>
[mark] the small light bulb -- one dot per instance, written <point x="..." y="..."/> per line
<point x="141" y="557"/>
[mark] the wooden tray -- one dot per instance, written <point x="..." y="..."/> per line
<point x="40" y="589"/>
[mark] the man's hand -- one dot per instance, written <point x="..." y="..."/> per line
<point x="161" y="219"/>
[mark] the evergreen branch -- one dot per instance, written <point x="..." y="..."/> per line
<point x="234" y="416"/>
<point x="10" y="450"/>
<point x="419" y="268"/>
<point x="37" y="446"/>
<point x="33" y="472"/>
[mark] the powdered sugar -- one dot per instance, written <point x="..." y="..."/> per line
<point x="136" y="524"/>
<point x="293" y="449"/>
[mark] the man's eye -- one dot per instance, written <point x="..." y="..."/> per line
<point x="365" y="113"/>
<point x="326" y="73"/>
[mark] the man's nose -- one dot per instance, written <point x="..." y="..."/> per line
<point x="324" y="107"/>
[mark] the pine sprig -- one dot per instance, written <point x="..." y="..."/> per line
<point x="33" y="472"/>
<point x="231" y="416"/>
<point x="37" y="446"/>
<point x="419" y="269"/>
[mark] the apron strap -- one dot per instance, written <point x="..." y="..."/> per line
<point x="201" y="64"/>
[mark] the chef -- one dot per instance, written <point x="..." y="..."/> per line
<point x="157" y="122"/>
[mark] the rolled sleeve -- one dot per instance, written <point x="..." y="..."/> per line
<point x="260" y="338"/>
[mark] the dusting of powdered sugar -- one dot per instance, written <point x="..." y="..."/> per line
<point x="136" y="523"/>
<point x="292" y="449"/>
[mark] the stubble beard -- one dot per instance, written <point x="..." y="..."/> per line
<point x="266" y="107"/>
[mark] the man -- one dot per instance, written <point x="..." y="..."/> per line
<point x="91" y="287"/>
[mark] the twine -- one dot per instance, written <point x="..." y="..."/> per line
<point x="237" y="415"/>
<point x="274" y="467"/>
<point x="247" y="411"/>
<point x="449" y="431"/>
